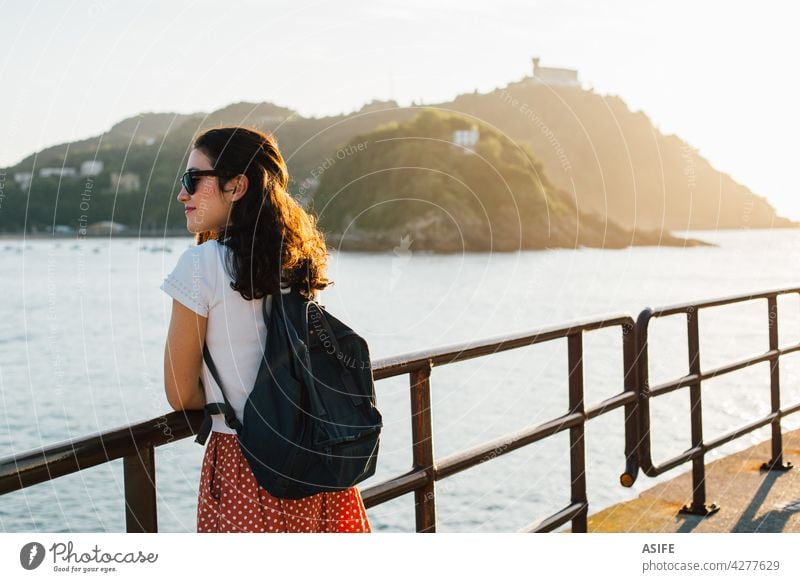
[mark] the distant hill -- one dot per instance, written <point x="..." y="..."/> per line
<point x="617" y="162"/>
<point x="135" y="130"/>
<point x="612" y="162"/>
<point x="409" y="185"/>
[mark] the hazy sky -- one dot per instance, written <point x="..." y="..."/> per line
<point x="719" y="74"/>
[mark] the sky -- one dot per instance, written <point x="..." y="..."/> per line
<point x="721" y="75"/>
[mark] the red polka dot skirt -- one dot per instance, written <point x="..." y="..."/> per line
<point x="231" y="500"/>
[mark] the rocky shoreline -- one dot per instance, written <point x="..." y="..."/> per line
<point x="387" y="241"/>
<point x="424" y="240"/>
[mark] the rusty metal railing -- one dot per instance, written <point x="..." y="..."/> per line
<point x="136" y="444"/>
<point x="696" y="376"/>
<point x="426" y="470"/>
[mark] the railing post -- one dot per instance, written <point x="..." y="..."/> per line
<point x="698" y="505"/>
<point x="631" y="379"/>
<point x="644" y="455"/>
<point x="140" y="491"/>
<point x="422" y="447"/>
<point x="776" y="463"/>
<point x="577" y="447"/>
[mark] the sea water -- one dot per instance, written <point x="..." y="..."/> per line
<point x="83" y="328"/>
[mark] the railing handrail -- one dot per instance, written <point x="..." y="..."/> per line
<point x="458" y="352"/>
<point x="676" y="308"/>
<point x="694" y="379"/>
<point x="70" y="456"/>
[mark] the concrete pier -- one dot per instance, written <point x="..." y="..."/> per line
<point x="750" y="500"/>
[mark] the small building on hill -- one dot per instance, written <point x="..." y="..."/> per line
<point x="552" y="76"/>
<point x="91" y="168"/>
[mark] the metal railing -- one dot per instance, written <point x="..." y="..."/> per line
<point x="135" y="444"/>
<point x="427" y="470"/>
<point x="694" y="379"/>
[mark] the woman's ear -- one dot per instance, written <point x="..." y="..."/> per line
<point x="239" y="185"/>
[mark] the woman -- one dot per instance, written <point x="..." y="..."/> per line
<point x="253" y="240"/>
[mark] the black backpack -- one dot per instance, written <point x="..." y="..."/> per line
<point x="310" y="423"/>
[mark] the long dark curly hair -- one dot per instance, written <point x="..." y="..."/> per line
<point x="270" y="235"/>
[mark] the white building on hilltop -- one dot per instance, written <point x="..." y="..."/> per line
<point x="550" y="76"/>
<point x="23" y="179"/>
<point x="58" y="172"/>
<point x="125" y="182"/>
<point x="466" y="138"/>
<point x="91" y="168"/>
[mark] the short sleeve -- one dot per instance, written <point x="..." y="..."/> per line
<point x="193" y="280"/>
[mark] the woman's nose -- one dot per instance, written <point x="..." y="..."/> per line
<point x="183" y="195"/>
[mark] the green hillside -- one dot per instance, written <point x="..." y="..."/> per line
<point x="613" y="163"/>
<point x="410" y="184"/>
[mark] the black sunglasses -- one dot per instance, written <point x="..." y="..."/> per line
<point x="189" y="179"/>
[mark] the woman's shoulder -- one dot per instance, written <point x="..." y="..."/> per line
<point x="209" y="248"/>
<point x="193" y="279"/>
<point x="199" y="261"/>
<point x="207" y="256"/>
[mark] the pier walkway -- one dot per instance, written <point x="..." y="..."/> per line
<point x="750" y="500"/>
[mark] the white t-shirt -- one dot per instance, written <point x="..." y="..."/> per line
<point x="236" y="332"/>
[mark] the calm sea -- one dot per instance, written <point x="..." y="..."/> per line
<point x="83" y="327"/>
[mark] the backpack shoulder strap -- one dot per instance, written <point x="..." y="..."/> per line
<point x="323" y="328"/>
<point x="216" y="407"/>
